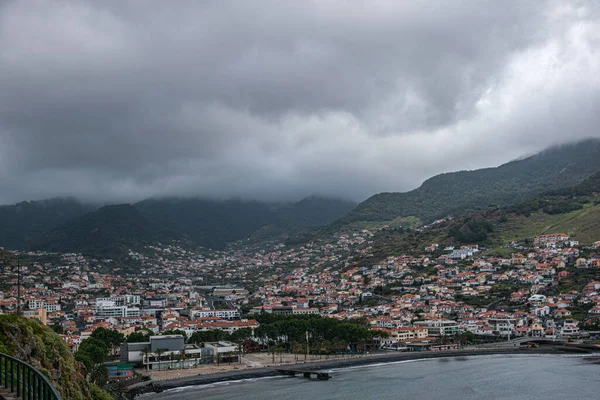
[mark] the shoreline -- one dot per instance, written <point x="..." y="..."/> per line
<point x="271" y="371"/>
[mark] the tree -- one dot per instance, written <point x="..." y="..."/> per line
<point x="182" y="357"/>
<point x="443" y="339"/>
<point x="99" y="375"/>
<point x="85" y="360"/>
<point x="137" y="337"/>
<point x="297" y="348"/>
<point x="111" y="338"/>
<point x="159" y="353"/>
<point x="240" y="352"/>
<point x="372" y="303"/>
<point x="93" y="349"/>
<point x="293" y="328"/>
<point x="466" y="337"/>
<point x="241" y="335"/>
<point x="146" y="357"/>
<point x="214" y="335"/>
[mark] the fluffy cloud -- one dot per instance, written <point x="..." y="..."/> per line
<point x="117" y="101"/>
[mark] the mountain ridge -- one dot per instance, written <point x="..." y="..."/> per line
<point x="217" y="223"/>
<point x="457" y="192"/>
<point x="22" y="223"/>
<point x="109" y="231"/>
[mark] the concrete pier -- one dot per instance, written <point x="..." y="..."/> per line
<point x="321" y="376"/>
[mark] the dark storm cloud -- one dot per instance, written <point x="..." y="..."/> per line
<point x="120" y="100"/>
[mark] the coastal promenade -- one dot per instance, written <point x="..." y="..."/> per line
<point x="370" y="359"/>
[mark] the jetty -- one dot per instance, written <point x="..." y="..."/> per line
<point x="319" y="375"/>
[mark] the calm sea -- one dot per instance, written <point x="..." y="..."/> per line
<point x="481" y="377"/>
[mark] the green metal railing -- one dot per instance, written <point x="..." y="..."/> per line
<point x="25" y="381"/>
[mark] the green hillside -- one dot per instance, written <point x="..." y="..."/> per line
<point x="21" y="224"/>
<point x="209" y="223"/>
<point x="312" y="211"/>
<point x="214" y="223"/>
<point x="582" y="225"/>
<point x="64" y="225"/>
<point x="294" y="218"/>
<point x="574" y="210"/>
<point x="458" y="192"/>
<point x="107" y="233"/>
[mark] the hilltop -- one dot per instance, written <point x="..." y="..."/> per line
<point x="459" y="192"/>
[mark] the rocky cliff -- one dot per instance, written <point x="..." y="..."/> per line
<point x="38" y="345"/>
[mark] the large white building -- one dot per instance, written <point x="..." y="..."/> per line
<point x="440" y="327"/>
<point x="121" y="300"/>
<point x="551" y="238"/>
<point x="164" y="352"/>
<point x="109" y="308"/>
<point x="223" y="314"/>
<point x="50" y="307"/>
<point x="503" y="326"/>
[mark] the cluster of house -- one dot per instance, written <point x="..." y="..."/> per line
<point x="413" y="298"/>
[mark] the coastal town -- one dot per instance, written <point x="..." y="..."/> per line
<point x="440" y="299"/>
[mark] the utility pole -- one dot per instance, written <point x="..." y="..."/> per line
<point x="18" y="286"/>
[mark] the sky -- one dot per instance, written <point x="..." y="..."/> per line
<point x="118" y="100"/>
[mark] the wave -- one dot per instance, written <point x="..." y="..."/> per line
<point x="220" y="384"/>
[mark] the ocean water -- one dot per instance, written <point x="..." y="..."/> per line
<point x="498" y="377"/>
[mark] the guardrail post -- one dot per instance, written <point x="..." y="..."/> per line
<point x="19" y="378"/>
<point x="12" y="376"/>
<point x="5" y="373"/>
<point x="25" y="374"/>
<point x="25" y="381"/>
<point x="30" y="384"/>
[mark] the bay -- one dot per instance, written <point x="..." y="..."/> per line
<point x="461" y="378"/>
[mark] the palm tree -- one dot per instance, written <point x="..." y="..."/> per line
<point x="146" y="356"/>
<point x="443" y="340"/>
<point x="272" y="351"/>
<point x="297" y="348"/>
<point x="182" y="357"/>
<point x="159" y="353"/>
<point x="240" y="352"/>
<point x="362" y="345"/>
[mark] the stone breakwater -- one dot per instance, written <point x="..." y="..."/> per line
<point x="205" y="379"/>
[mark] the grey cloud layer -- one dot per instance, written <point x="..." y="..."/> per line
<point x="122" y="100"/>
